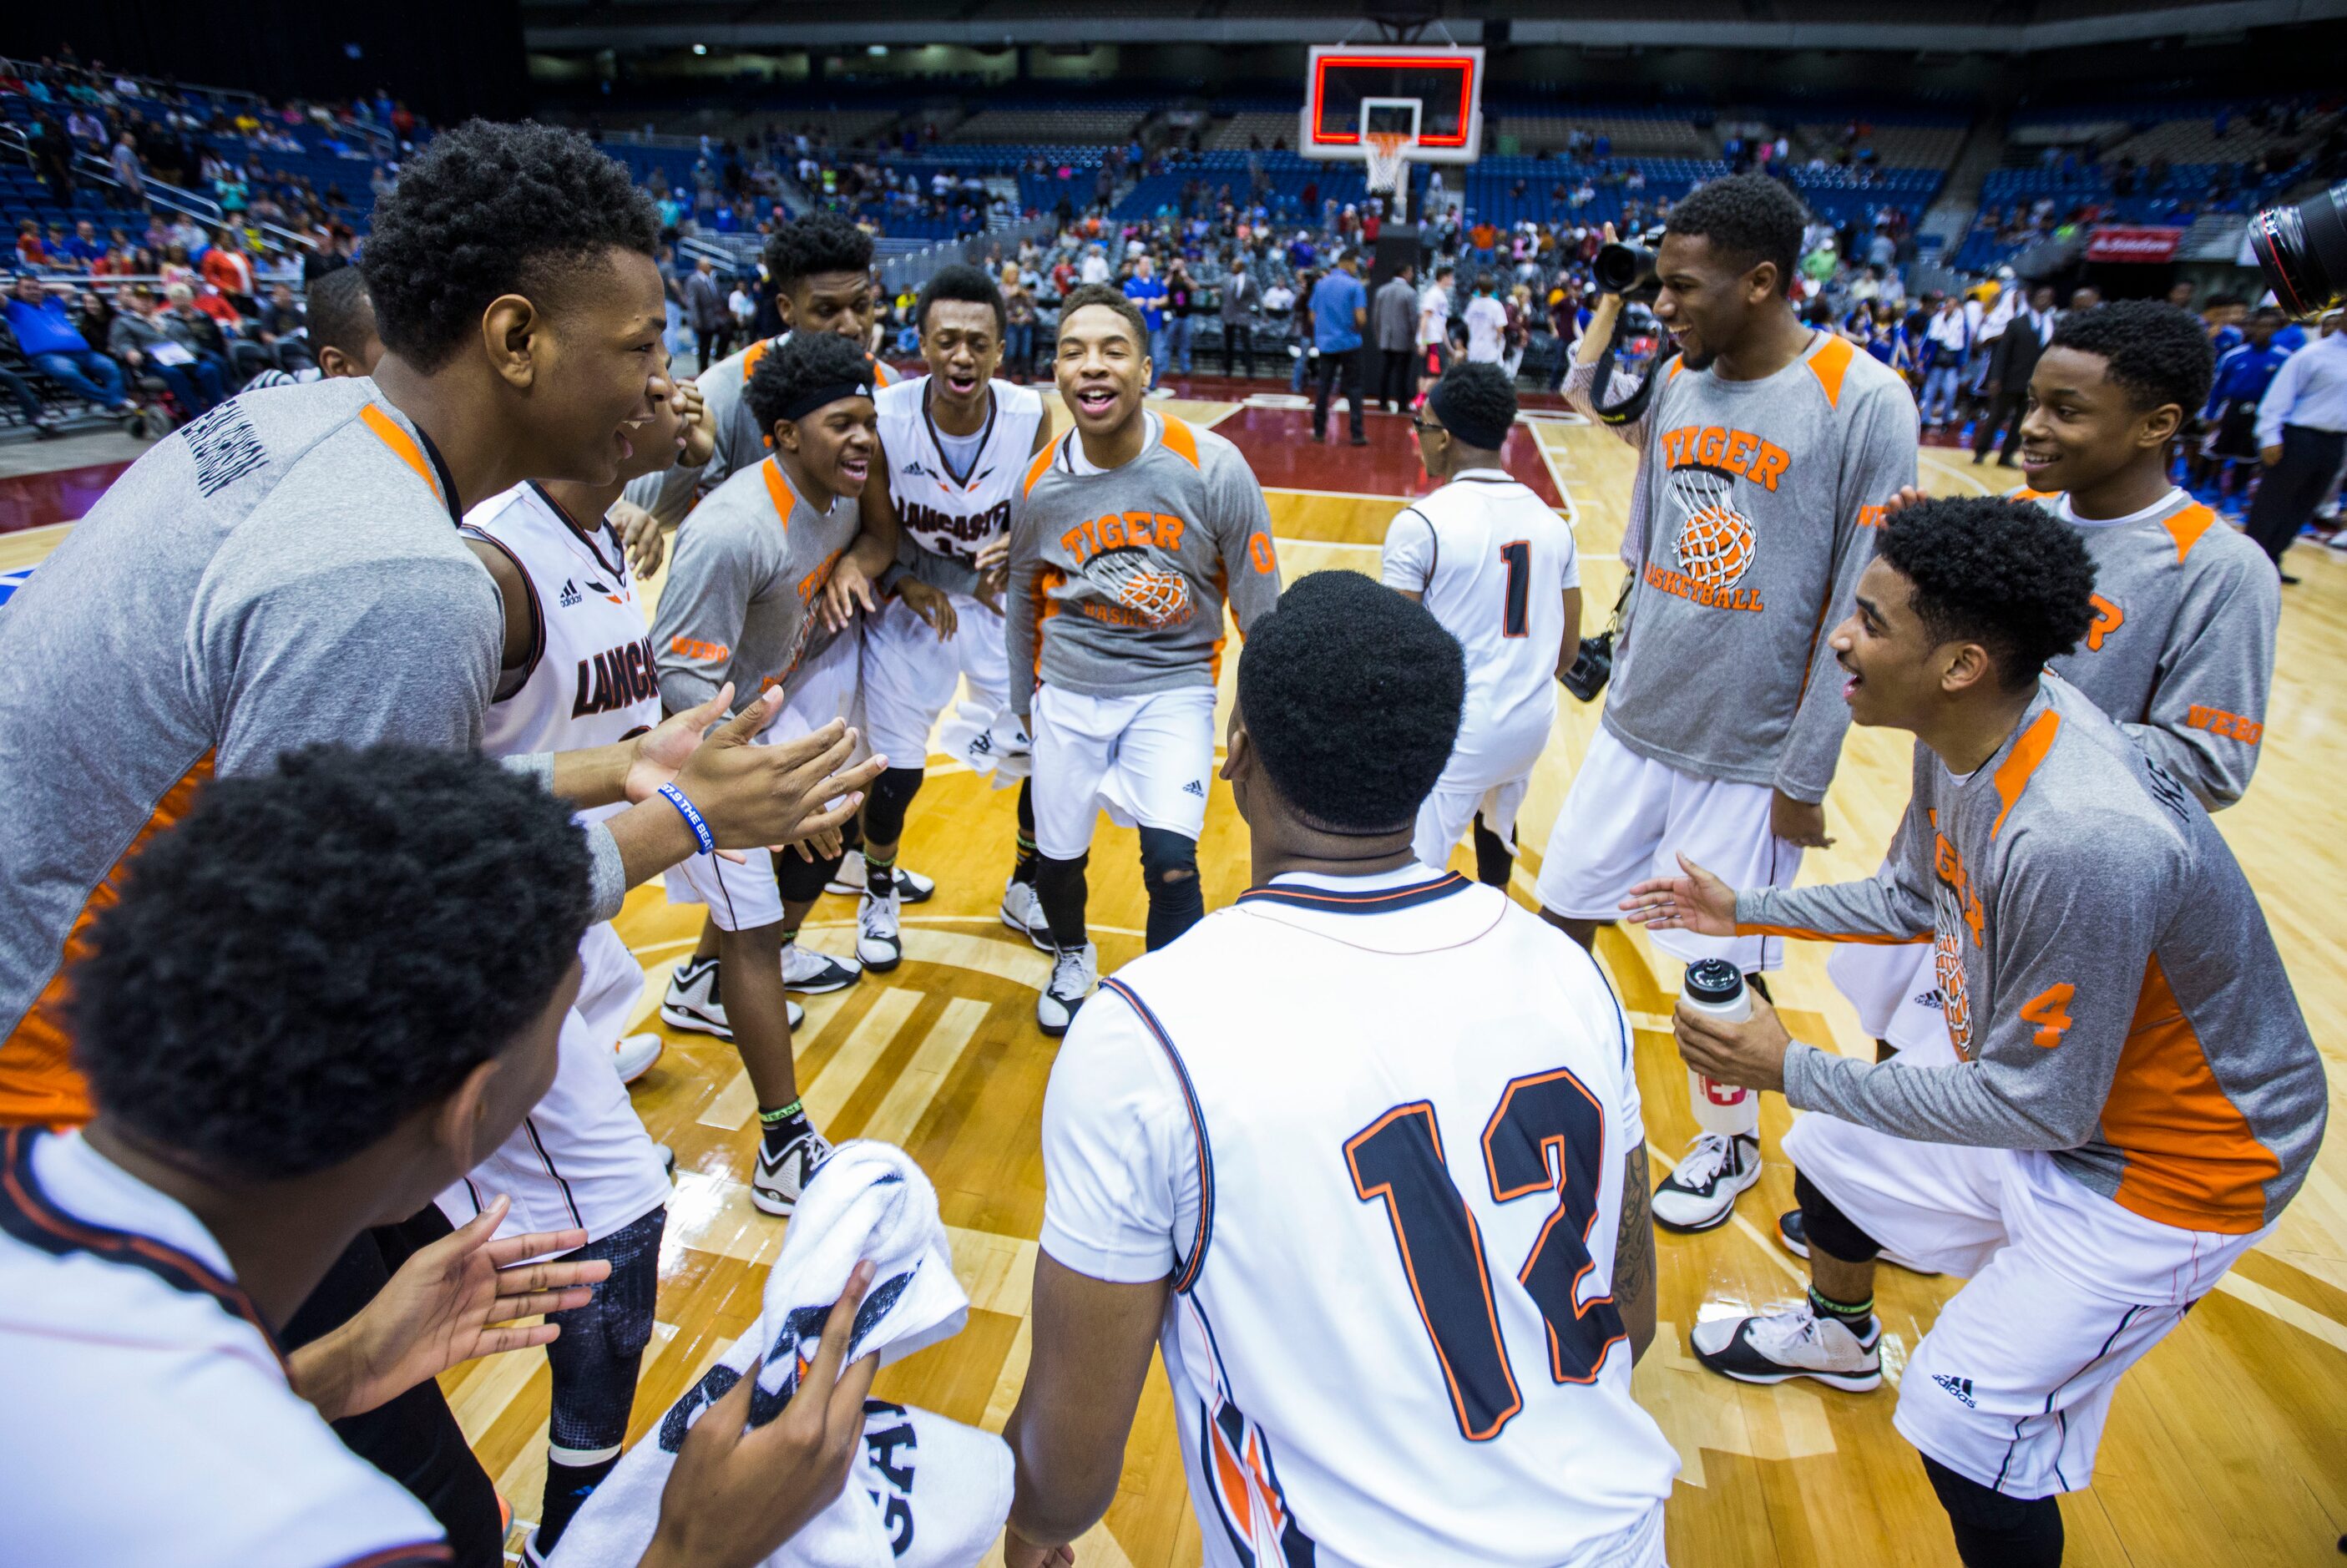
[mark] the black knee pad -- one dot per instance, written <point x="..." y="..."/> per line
<point x="802" y="881"/>
<point x="1167" y="859"/>
<point x="1993" y="1531"/>
<point x="885" y="801"/>
<point x="1829" y="1229"/>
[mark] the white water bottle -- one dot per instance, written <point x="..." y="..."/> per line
<point x="1714" y="989"/>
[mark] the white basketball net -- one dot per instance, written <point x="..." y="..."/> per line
<point x="1388" y="154"/>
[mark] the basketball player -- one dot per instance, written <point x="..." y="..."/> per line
<point x="339" y="323"/>
<point x="2186" y="611"/>
<point x="740" y="611"/>
<point x="386" y="939"/>
<point x="957" y="441"/>
<point x="2126" y="1096"/>
<point x="1495" y="564"/>
<point x="1134" y="529"/>
<point x="287" y="570"/>
<point x="1767" y="453"/>
<point x="821" y="266"/>
<point x="579" y="671"/>
<point x="1362" y="1156"/>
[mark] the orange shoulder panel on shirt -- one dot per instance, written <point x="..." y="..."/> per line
<point x="37" y="1081"/>
<point x="1036" y="469"/>
<point x="387" y="429"/>
<point x="1181" y="440"/>
<point x="1829" y="365"/>
<point x="2186" y="526"/>
<point x="752" y="355"/>
<point x="2012" y="773"/>
<point x="779" y="489"/>
<point x="2191" y="1158"/>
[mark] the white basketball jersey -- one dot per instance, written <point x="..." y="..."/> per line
<point x="582" y="1157"/>
<point x="949" y="508"/>
<point x="592" y="679"/>
<point x="1491" y="560"/>
<point x="1392" y="1338"/>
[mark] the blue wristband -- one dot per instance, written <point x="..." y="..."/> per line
<point x="692" y="817"/>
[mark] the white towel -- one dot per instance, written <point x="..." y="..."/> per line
<point x="923" y="1492"/>
<point x="991" y="743"/>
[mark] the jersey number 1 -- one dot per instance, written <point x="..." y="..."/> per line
<point x="1399" y="1158"/>
<point x="1518" y="554"/>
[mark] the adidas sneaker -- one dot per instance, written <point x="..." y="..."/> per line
<point x="811" y="973"/>
<point x="776" y="1185"/>
<point x="1701" y="1194"/>
<point x="1073" y="972"/>
<point x="912" y="888"/>
<point x="1794" y="1343"/>
<point x="1793" y="1236"/>
<point x="693" y="1002"/>
<point x="1022" y="911"/>
<point x="880" y="946"/>
<point x="634" y="1055"/>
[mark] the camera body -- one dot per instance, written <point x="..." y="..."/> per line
<point x="1628" y="268"/>
<point x="2302" y="251"/>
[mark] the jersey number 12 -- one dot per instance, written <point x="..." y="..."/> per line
<point x="1399" y="1158"/>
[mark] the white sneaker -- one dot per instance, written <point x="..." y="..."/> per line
<point x="1795" y="1343"/>
<point x="635" y="1055"/>
<point x="912" y="888"/>
<point x="778" y="1181"/>
<point x="1022" y="911"/>
<point x="879" y="945"/>
<point x="692" y="1003"/>
<point x="810" y="973"/>
<point x="1701" y="1193"/>
<point x="1073" y="972"/>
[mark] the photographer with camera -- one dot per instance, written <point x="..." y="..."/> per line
<point x="1767" y="452"/>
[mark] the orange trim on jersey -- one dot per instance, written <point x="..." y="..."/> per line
<point x="1678" y="363"/>
<point x="1802" y="933"/>
<point x="387" y="430"/>
<point x="2186" y="526"/>
<point x="2026" y="494"/>
<point x="37" y="1080"/>
<point x="753" y="354"/>
<point x="2013" y="775"/>
<point x="1222" y="590"/>
<point x="1038" y="469"/>
<point x="1829" y="365"/>
<point x="778" y="489"/>
<point x="1182" y="441"/>
<point x="2191" y="1159"/>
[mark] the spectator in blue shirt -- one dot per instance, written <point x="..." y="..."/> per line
<point x="47" y="336"/>
<point x="1341" y="310"/>
<point x="1145" y="289"/>
<point x="2228" y="458"/>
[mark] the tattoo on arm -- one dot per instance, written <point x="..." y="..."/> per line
<point x="1633" y="1254"/>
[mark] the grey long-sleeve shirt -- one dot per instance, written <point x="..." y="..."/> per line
<point x="2109" y="979"/>
<point x="1754" y="498"/>
<point x="1118" y="579"/>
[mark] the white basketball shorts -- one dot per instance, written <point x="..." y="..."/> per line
<point x="1148" y="760"/>
<point x="1488" y="772"/>
<point x="909" y="675"/>
<point x="2068" y="1290"/>
<point x="740" y="895"/>
<point x="1896" y="991"/>
<point x="1628" y="818"/>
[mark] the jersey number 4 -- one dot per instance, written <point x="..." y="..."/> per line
<point x="1514" y="614"/>
<point x="1399" y="1158"/>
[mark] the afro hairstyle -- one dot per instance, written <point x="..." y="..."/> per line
<point x="1085" y="294"/>
<point x="2156" y="352"/>
<point x="314" y="954"/>
<point x="2008" y="575"/>
<point x="1748" y="217"/>
<point x="807" y="361"/>
<point x="339" y="315"/>
<point x="489" y="210"/>
<point x="817" y="243"/>
<point x="1352" y="696"/>
<point x="1480" y="391"/>
<point x="967" y="284"/>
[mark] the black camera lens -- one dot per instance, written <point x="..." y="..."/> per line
<point x="2302" y="251"/>
<point x="1622" y="269"/>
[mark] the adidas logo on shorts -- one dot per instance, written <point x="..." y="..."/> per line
<point x="1195" y="787"/>
<point x="1961" y="1387"/>
<point x="569" y="593"/>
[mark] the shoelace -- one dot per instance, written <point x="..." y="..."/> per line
<point x="1706" y="1158"/>
<point x="1068" y="966"/>
<point x="1784" y="1330"/>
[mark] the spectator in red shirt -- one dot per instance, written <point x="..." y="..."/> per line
<point x="229" y="270"/>
<point x="29" y="244"/>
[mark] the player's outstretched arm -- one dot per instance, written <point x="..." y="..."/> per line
<point x="1694" y="900"/>
<point x="1092" y="1344"/>
<point x="1633" y="1254"/>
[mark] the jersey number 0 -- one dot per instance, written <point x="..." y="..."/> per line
<point x="1399" y="1158"/>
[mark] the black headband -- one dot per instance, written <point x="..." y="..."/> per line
<point x="1463" y="426"/>
<point x="807" y="402"/>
